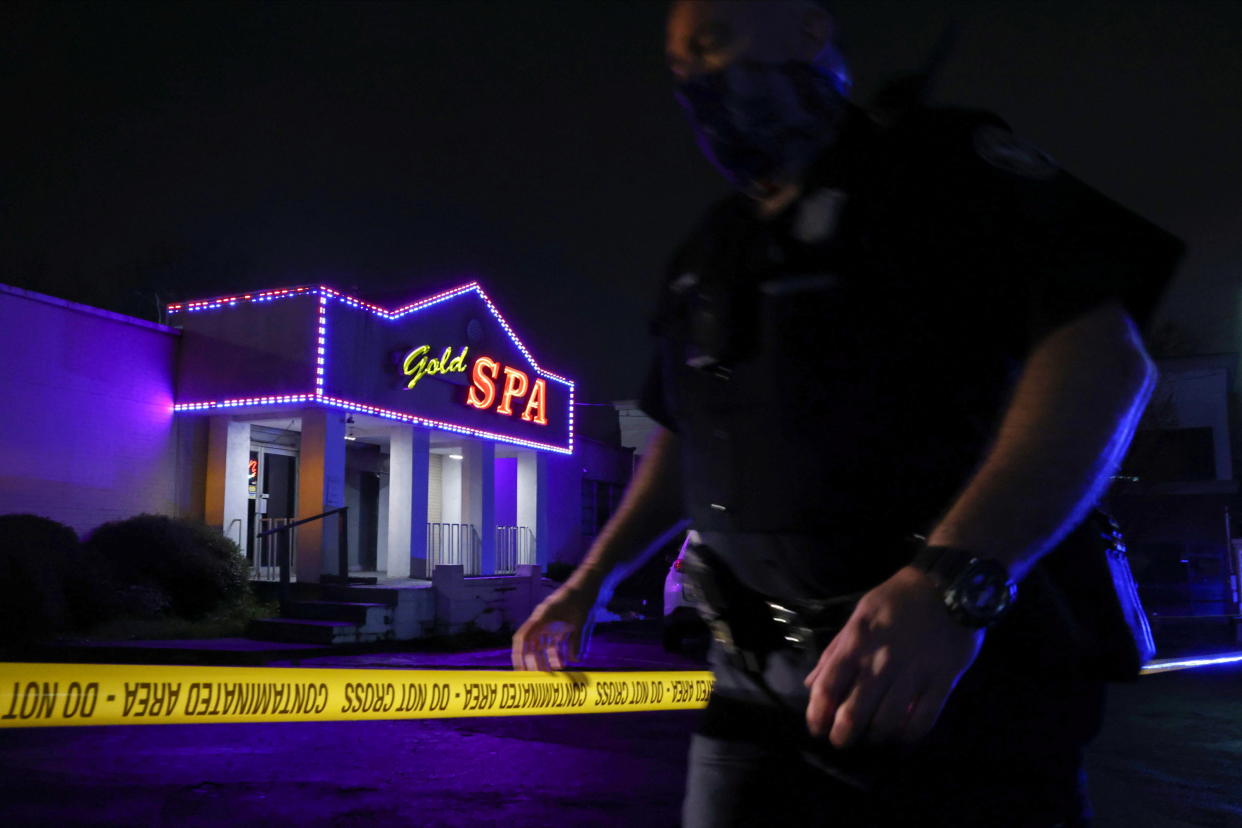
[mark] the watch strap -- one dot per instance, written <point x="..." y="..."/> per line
<point x="948" y="568"/>
<point x="942" y="563"/>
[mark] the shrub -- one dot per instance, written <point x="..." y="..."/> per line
<point x="91" y="591"/>
<point x="198" y="569"/>
<point x="36" y="554"/>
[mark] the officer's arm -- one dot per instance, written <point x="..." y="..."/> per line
<point x="1067" y="427"/>
<point x="650" y="507"/>
<point x="888" y="673"/>
<point x="559" y="628"/>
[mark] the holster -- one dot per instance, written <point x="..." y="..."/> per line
<point x="1091" y="570"/>
<point x="748" y="625"/>
<point x="731" y="611"/>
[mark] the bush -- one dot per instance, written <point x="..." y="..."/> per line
<point x="36" y="555"/>
<point x="92" y="592"/>
<point x="230" y="621"/>
<point x="155" y="558"/>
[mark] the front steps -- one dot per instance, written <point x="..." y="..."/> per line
<point x="353" y="613"/>
<point x="359" y="612"/>
<point x="308" y="631"/>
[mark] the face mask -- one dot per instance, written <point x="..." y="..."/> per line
<point x="755" y="121"/>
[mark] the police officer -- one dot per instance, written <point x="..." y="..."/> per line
<point x="895" y="371"/>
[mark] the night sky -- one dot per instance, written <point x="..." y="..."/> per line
<point x="182" y="150"/>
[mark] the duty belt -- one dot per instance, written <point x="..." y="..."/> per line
<point x="748" y="625"/>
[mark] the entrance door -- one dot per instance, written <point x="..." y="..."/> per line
<point x="273" y="502"/>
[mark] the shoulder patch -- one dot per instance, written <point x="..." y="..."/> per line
<point x="1006" y="151"/>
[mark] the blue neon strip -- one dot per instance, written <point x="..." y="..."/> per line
<point x="1170" y="664"/>
<point x="325" y="293"/>
<point x="363" y="408"/>
<point x="321" y="350"/>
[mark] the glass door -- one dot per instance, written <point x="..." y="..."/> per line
<point x="273" y="503"/>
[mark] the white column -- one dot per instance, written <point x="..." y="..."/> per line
<point x="450" y="490"/>
<point x="321" y="486"/>
<point x="478" y="497"/>
<point x="381" y="539"/>
<point x="543" y="505"/>
<point x="532" y="500"/>
<point x="228" y="462"/>
<point x="409" y="448"/>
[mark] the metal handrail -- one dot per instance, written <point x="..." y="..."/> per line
<point x="453" y="543"/>
<point x="238" y="521"/>
<point x="342" y="549"/>
<point x="515" y="545"/>
<point x="475" y="566"/>
<point x="265" y="566"/>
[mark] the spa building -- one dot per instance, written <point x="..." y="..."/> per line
<point x="447" y="439"/>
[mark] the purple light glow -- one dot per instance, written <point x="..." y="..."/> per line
<point x="506" y="491"/>
<point x="318" y="396"/>
<point x="245" y="401"/>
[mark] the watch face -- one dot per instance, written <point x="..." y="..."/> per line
<point x="982" y="592"/>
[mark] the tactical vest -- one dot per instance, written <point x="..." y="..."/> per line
<point x="834" y="373"/>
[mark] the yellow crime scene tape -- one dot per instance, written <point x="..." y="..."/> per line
<point x="72" y="695"/>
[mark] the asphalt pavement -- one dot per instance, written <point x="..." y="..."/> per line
<point x="1170" y="756"/>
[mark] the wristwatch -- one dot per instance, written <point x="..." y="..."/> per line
<point x="976" y="591"/>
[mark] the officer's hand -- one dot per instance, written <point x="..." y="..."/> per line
<point x="557" y="632"/>
<point x="886" y="676"/>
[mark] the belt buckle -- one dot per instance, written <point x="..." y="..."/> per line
<point x="791" y="625"/>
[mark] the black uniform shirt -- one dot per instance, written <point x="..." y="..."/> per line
<point x="839" y="370"/>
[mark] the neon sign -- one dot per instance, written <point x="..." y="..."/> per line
<point x="484" y="374"/>
<point x="483" y="391"/>
<point x="418" y="365"/>
<point x="520" y="397"/>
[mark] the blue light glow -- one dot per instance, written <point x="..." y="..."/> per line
<point x="1168" y="665"/>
